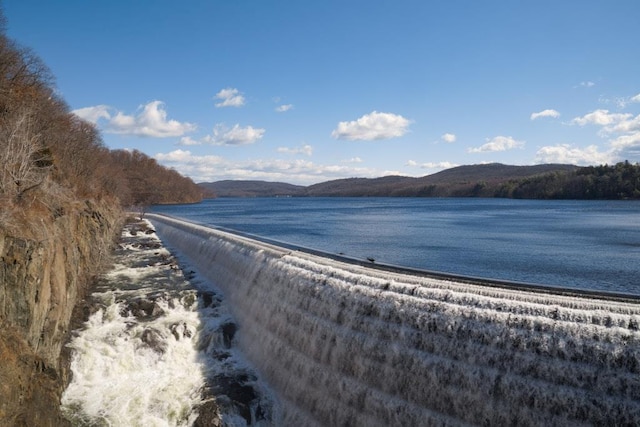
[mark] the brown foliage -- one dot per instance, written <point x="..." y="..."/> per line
<point x="49" y="156"/>
<point x="150" y="183"/>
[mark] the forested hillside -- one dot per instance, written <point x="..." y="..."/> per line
<point x="619" y="181"/>
<point x="547" y="181"/>
<point x="146" y="182"/>
<point x="229" y="188"/>
<point x="49" y="156"/>
<point x="61" y="198"/>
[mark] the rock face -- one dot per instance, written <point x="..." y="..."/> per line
<point x="41" y="280"/>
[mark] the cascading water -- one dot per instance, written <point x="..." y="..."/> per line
<point x="157" y="349"/>
<point x="343" y="344"/>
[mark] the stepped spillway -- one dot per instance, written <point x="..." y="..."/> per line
<point x="343" y="344"/>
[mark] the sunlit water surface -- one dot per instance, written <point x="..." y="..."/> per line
<point x="580" y="244"/>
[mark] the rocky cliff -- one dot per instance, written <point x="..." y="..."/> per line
<point x="42" y="277"/>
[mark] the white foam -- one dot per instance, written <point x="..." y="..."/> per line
<point x="118" y="378"/>
<point x="346" y="345"/>
<point x="146" y="355"/>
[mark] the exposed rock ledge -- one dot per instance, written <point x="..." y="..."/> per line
<point x="41" y="280"/>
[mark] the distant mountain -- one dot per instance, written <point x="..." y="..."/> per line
<point x="486" y="180"/>
<point x="231" y="188"/>
<point x="372" y="187"/>
<point x="492" y="172"/>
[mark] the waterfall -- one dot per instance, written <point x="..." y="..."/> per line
<point x="157" y="349"/>
<point x="344" y="344"/>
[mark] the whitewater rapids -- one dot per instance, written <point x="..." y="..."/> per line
<point x="157" y="349"/>
<point x="343" y="344"/>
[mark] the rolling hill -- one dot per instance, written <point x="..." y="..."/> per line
<point x="230" y="188"/>
<point x="472" y="180"/>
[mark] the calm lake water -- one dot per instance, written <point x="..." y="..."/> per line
<point x="579" y="244"/>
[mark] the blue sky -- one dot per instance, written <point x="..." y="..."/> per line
<point x="308" y="91"/>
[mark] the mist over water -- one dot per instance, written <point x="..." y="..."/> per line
<point x="582" y="244"/>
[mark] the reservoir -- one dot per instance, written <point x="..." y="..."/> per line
<point x="579" y="244"/>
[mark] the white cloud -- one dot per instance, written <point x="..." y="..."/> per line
<point x="565" y="153"/>
<point x="499" y="143"/>
<point x="432" y="165"/>
<point x="93" y="114"/>
<point x="624" y="126"/>
<point x="622" y="131"/>
<point x="235" y="136"/>
<point x="305" y="149"/>
<point x="177" y="156"/>
<point x="623" y="142"/>
<point x="624" y="102"/>
<point x="545" y="113"/>
<point x="230" y="97"/>
<point x="587" y="84"/>
<point x="283" y="108"/>
<point x="353" y="160"/>
<point x="372" y="126"/>
<point x="600" y="117"/>
<point x="448" y="137"/>
<point x="296" y="171"/>
<point x="187" y="140"/>
<point x="151" y="121"/>
<point x="620" y="102"/>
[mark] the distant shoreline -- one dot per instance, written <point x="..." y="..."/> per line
<point x="552" y="181"/>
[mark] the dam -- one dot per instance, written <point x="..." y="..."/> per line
<point x="344" y="344"/>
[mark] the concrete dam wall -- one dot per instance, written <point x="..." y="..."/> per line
<point x="344" y="344"/>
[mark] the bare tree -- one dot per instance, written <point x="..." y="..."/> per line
<point x="24" y="161"/>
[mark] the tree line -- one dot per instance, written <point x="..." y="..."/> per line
<point x="608" y="182"/>
<point x="551" y="181"/>
<point x="50" y="157"/>
<point x="620" y="181"/>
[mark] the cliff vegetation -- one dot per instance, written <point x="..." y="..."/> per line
<point x="61" y="197"/>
